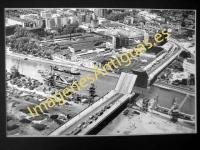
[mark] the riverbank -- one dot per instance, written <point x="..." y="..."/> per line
<point x="53" y="62"/>
<point x="175" y="88"/>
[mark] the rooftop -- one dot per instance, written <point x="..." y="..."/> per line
<point x="154" y="50"/>
<point x="190" y="60"/>
<point x="18" y="19"/>
<point x="33" y="28"/>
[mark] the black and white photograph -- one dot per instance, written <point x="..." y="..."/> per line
<point x="100" y="72"/>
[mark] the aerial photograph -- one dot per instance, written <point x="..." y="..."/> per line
<point x="100" y="71"/>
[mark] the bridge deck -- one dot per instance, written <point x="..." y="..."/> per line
<point x="125" y="83"/>
<point x="93" y="112"/>
<point x="116" y="104"/>
<point x="120" y="95"/>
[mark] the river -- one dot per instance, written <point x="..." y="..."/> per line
<point x="30" y="68"/>
<point x="104" y="83"/>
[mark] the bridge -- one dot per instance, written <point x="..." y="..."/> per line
<point x="115" y="98"/>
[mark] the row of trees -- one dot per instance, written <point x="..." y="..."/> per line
<point x="23" y="32"/>
<point x="69" y="28"/>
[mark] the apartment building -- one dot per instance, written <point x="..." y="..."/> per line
<point x="50" y="23"/>
<point x="101" y="12"/>
<point x="58" y="22"/>
<point x="45" y="14"/>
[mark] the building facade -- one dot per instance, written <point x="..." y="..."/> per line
<point x="50" y="23"/>
<point x="189" y="66"/>
<point x="81" y="17"/>
<point x="45" y="14"/>
<point x="58" y="22"/>
<point x="13" y="21"/>
<point x="101" y="12"/>
<point x="128" y="20"/>
<point x="88" y="18"/>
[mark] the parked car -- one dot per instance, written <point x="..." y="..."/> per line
<point x="126" y="112"/>
<point x="175" y="83"/>
<point x="135" y="112"/>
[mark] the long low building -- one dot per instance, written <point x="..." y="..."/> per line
<point x="78" y="41"/>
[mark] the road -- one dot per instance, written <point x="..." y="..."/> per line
<point x="164" y="60"/>
<point x="86" y="117"/>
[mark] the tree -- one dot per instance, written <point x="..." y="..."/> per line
<point x="79" y="30"/>
<point x="25" y="48"/>
<point x="76" y="24"/>
<point x="12" y="45"/>
<point x="184" y="54"/>
<point x="34" y="51"/>
<point x="20" y="32"/>
<point x="7" y="40"/>
<point x="48" y="54"/>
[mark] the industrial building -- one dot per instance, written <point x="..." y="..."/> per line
<point x="189" y="66"/>
<point x="79" y="41"/>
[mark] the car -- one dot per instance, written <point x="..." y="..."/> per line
<point x="84" y="122"/>
<point x="89" y="121"/>
<point x="102" y="110"/>
<point x="129" y="105"/>
<point x="95" y="117"/>
<point x="126" y="112"/>
<point x="105" y="107"/>
<point x="79" y="125"/>
<point x="91" y="116"/>
<point x="99" y="113"/>
<point x="175" y="83"/>
<point x="85" y="125"/>
<point x="77" y="130"/>
<point x="108" y="106"/>
<point x="135" y="112"/>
